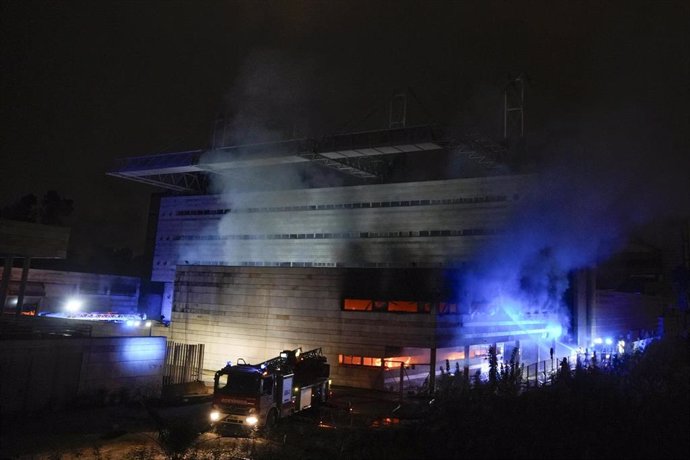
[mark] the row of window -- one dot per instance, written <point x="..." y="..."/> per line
<point x="202" y="212"/>
<point x="115" y="289"/>
<point x="373" y="204"/>
<point x="476" y="352"/>
<point x="354" y="360"/>
<point x="397" y="306"/>
<point x="368" y="361"/>
<point x="261" y="263"/>
<point x="400" y="306"/>
<point x="309" y="264"/>
<point x="339" y="235"/>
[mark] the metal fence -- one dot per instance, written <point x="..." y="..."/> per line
<point x="541" y="372"/>
<point x="183" y="363"/>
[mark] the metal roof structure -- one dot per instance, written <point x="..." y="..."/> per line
<point x="362" y="155"/>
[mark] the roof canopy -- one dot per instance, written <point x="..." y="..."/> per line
<point x="364" y="155"/>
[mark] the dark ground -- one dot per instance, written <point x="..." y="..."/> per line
<point x="131" y="431"/>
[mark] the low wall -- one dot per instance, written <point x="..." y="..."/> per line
<point x="49" y="374"/>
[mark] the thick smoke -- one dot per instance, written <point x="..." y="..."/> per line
<point x="273" y="99"/>
<point x="602" y="176"/>
<point x="582" y="207"/>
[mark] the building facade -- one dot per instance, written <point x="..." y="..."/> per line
<point x="49" y="291"/>
<point x="368" y="273"/>
<point x="433" y="224"/>
<point x="367" y="321"/>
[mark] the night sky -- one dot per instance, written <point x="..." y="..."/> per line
<point x="84" y="83"/>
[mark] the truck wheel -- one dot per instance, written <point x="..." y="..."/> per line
<point x="271" y="420"/>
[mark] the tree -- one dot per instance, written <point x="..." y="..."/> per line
<point x="54" y="208"/>
<point x="50" y="211"/>
<point x="24" y="209"/>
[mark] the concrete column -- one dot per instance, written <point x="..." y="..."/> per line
<point x="402" y="381"/>
<point x="167" y="302"/>
<point x="22" y="285"/>
<point x="432" y="370"/>
<point x="4" y="286"/>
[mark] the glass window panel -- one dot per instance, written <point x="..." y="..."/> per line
<point x="403" y="306"/>
<point x="380" y="305"/>
<point x="357" y="304"/>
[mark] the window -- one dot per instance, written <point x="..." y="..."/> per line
<point x="479" y="351"/>
<point x="447" y="308"/>
<point x="364" y="361"/>
<point x="402" y="306"/>
<point x="267" y="387"/>
<point x="394" y="306"/>
<point x="357" y="305"/>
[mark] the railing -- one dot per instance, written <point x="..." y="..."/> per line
<point x="541" y="373"/>
<point x="183" y="363"/>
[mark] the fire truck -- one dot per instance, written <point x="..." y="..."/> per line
<point x="254" y="396"/>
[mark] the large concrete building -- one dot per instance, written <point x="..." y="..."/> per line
<point x="430" y="224"/>
<point x="367" y="268"/>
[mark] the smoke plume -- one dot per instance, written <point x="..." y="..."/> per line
<point x="582" y="207"/>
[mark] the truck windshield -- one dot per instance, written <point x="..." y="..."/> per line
<point x="238" y="383"/>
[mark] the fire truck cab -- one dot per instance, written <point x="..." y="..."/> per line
<point x="253" y="396"/>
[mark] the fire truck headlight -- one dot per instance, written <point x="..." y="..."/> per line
<point x="252" y="420"/>
<point x="215" y="416"/>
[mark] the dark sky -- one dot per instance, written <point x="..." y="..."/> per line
<point x="84" y="83"/>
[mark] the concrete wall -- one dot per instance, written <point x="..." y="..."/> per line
<point x="422" y="224"/>
<point x="255" y="312"/>
<point x="53" y="373"/>
<point x="622" y="314"/>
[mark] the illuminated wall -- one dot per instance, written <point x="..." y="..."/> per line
<point x="49" y="374"/>
<point x="627" y="315"/>
<point x="255" y="312"/>
<point x="114" y="363"/>
<point x="421" y="224"/>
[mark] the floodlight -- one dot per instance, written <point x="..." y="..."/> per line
<point x="73" y="305"/>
